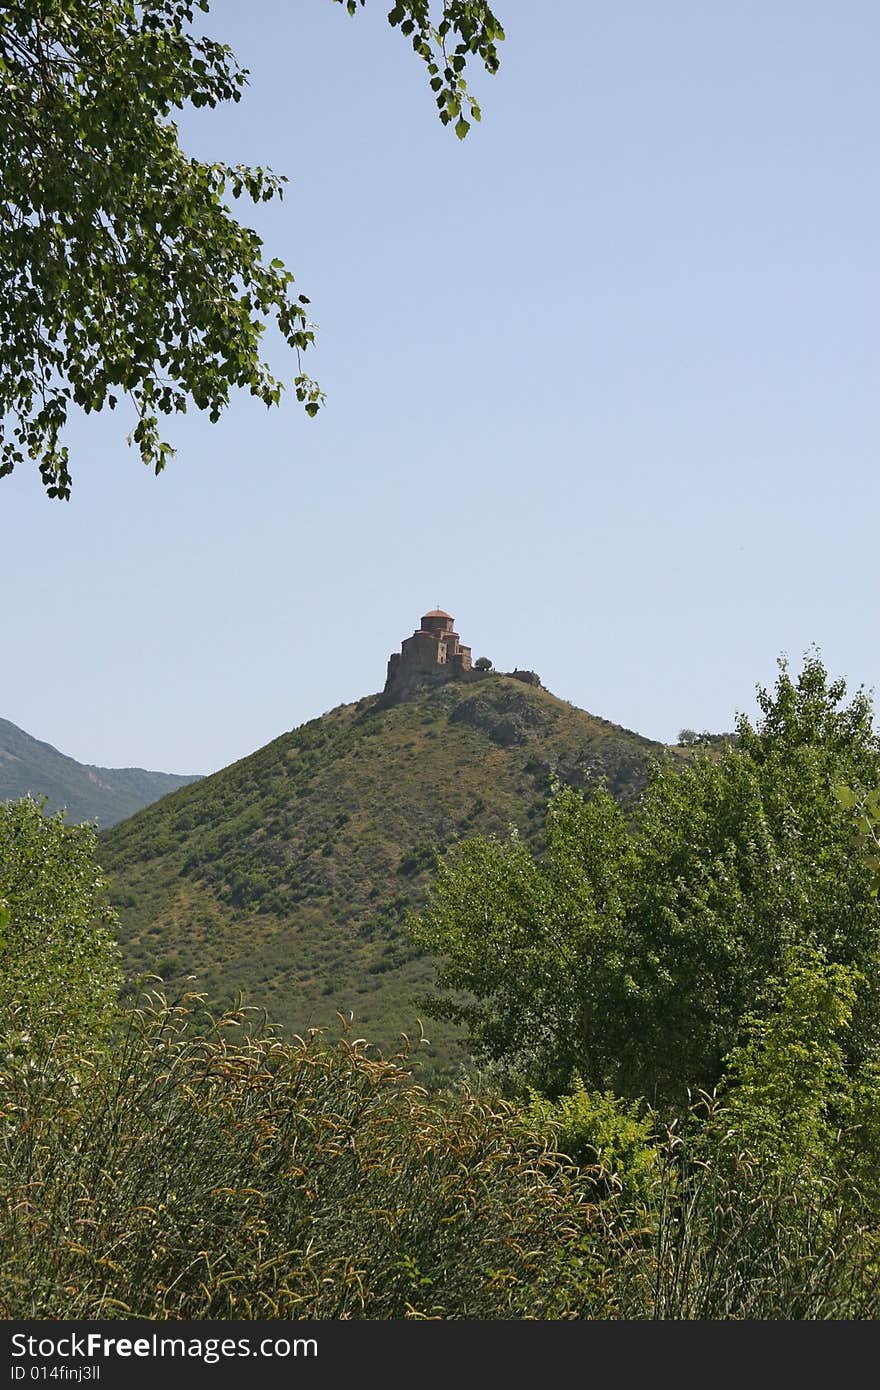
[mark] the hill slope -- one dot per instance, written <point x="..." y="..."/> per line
<point x="105" y="794"/>
<point x="289" y="874"/>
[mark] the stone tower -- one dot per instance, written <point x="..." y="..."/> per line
<point x="434" y="652"/>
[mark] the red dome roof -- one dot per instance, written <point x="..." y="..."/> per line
<point x="436" y="613"/>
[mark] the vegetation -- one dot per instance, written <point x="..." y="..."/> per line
<point x="637" y="954"/>
<point x="59" y="972"/>
<point x="866" y="829"/>
<point x="158" y="1161"/>
<point x="290" y="875"/>
<point x="107" y="795"/>
<point x="726" y="1233"/>
<point x="217" y="1171"/>
<point x="256" y="1178"/>
<point x="124" y="273"/>
<point x="689" y="738"/>
<point x="611" y="1137"/>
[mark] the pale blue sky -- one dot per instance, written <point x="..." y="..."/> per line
<point x="602" y="381"/>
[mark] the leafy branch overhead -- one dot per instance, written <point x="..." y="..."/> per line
<point x="123" y="272"/>
<point x="467" y="28"/>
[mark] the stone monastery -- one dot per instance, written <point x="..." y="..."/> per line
<point x="434" y="650"/>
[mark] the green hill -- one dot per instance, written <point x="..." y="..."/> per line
<point x="289" y="874"/>
<point x="104" y="794"/>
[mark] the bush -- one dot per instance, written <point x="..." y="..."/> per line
<point x="599" y="1130"/>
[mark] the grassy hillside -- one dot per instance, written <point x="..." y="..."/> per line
<point x="104" y="794"/>
<point x="289" y="874"/>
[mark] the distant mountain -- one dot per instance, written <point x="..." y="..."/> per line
<point x="289" y="875"/>
<point x="105" y="794"/>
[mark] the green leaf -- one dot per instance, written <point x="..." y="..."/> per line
<point x="127" y="270"/>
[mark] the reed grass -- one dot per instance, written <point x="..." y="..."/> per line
<point x="225" y="1172"/>
<point x="210" y="1169"/>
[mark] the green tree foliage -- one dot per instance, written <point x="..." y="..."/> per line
<point x="524" y="938"/>
<point x="464" y="29"/>
<point x="59" y="973"/>
<point x="632" y="954"/>
<point x="791" y="1090"/>
<point x="689" y="738"/>
<point x="866" y="829"/>
<point x="786" y="1084"/>
<point x="122" y="270"/>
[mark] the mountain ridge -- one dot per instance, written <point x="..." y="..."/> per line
<point x="85" y="791"/>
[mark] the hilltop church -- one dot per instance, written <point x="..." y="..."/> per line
<point x="433" y="650"/>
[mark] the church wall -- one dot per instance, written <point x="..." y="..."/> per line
<point x="433" y="649"/>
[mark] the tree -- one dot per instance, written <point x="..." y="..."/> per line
<point x="122" y="270"/>
<point x="59" y="971"/>
<point x="483" y="663"/>
<point x="634" y="954"/>
<point x="786" y="1084"/>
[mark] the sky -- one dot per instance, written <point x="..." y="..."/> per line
<point x="601" y="382"/>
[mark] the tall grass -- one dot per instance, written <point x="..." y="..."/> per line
<point x="221" y="1173"/>
<point x="214" y="1170"/>
<point x="727" y="1234"/>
